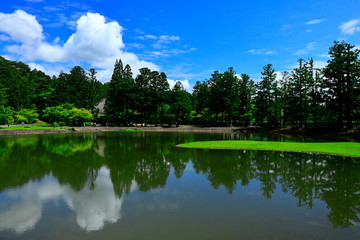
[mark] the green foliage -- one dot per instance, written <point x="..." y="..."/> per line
<point x="204" y="117"/>
<point x="26" y="116"/>
<point x="143" y="103"/>
<point x="152" y="96"/>
<point x="95" y="91"/>
<point x="58" y="113"/>
<point x="6" y="116"/>
<point x="266" y="97"/>
<point x="42" y="90"/>
<point x="88" y="124"/>
<point x="342" y="80"/>
<point x="79" y="116"/>
<point x="165" y="113"/>
<point x="121" y="94"/>
<point x="3" y="95"/>
<point x="224" y="95"/>
<point x="141" y="100"/>
<point x="67" y="113"/>
<point x="78" y="87"/>
<point x="159" y="91"/>
<point x="246" y="92"/>
<point x="201" y="96"/>
<point x="20" y="119"/>
<point x="181" y="104"/>
<point x="14" y="78"/>
<point x="301" y="93"/>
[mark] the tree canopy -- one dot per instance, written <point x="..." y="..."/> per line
<point x="304" y="97"/>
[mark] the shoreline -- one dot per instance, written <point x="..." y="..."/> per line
<point x="352" y="134"/>
<point x="111" y="129"/>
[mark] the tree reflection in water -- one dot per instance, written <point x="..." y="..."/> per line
<point x="82" y="163"/>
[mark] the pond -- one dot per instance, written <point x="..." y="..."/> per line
<point x="139" y="185"/>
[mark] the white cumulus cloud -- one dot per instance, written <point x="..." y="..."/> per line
<point x="21" y="26"/>
<point x="36" y="66"/>
<point x="350" y="27"/>
<point x="94" y="39"/>
<point x="187" y="86"/>
<point x="49" y="69"/>
<point x="95" y="42"/>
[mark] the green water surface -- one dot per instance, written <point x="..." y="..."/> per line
<point x="139" y="185"/>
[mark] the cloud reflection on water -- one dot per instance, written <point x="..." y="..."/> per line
<point x="92" y="207"/>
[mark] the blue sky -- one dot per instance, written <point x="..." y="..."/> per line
<point x="187" y="40"/>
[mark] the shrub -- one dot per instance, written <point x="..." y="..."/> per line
<point x="67" y="114"/>
<point x="26" y="116"/>
<point x="20" y="119"/>
<point x="58" y="113"/>
<point x="78" y="116"/>
<point x="6" y="115"/>
<point x="40" y="122"/>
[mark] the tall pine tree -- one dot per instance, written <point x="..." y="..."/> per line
<point x="342" y="79"/>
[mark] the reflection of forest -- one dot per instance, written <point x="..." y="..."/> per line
<point x="147" y="159"/>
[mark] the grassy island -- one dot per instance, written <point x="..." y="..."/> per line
<point x="335" y="148"/>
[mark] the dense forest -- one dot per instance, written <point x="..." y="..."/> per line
<point x="304" y="97"/>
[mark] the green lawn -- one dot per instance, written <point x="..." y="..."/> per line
<point x="127" y="130"/>
<point x="32" y="126"/>
<point x="338" y="148"/>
